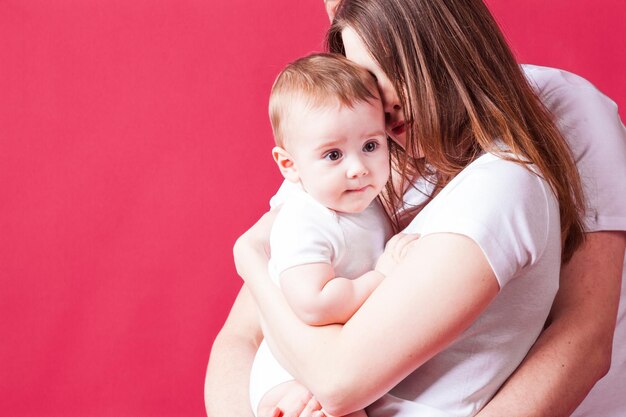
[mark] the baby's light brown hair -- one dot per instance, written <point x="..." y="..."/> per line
<point x="318" y="80"/>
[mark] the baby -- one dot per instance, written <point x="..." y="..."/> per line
<point x="331" y="145"/>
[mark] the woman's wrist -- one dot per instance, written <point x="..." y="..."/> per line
<point x="251" y="250"/>
<point x="250" y="258"/>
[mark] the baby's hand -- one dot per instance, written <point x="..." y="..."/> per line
<point x="290" y="399"/>
<point x="395" y="250"/>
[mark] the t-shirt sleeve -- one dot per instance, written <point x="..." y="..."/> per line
<point x="590" y="123"/>
<point x="302" y="234"/>
<point x="503" y="207"/>
<point x="287" y="189"/>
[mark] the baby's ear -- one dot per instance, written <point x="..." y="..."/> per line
<point x="286" y="164"/>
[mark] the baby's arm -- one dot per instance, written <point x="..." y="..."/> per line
<point x="318" y="297"/>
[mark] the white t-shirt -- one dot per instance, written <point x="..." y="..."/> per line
<point x="306" y="232"/>
<point x="591" y="125"/>
<point x="512" y="214"/>
<point x="590" y="122"/>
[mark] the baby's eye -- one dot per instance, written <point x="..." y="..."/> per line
<point x="370" y="146"/>
<point x="333" y="155"/>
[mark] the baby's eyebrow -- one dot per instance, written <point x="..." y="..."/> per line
<point x="376" y="133"/>
<point x="331" y="143"/>
<point x="335" y="143"/>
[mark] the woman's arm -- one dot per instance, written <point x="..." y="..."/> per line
<point x="228" y="372"/>
<point x="410" y="317"/>
<point x="574" y="351"/>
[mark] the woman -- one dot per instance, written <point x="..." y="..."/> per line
<point x="461" y="110"/>
<point x="454" y="115"/>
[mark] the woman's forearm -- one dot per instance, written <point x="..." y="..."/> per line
<point x="333" y="360"/>
<point x="574" y="351"/>
<point x="228" y="372"/>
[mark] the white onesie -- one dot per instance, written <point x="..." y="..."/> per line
<point x="306" y="232"/>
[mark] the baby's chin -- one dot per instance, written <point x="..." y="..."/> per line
<point x="353" y="208"/>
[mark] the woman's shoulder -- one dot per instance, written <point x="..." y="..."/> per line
<point x="547" y="78"/>
<point x="499" y="173"/>
<point x="498" y="192"/>
<point x="485" y="175"/>
<point x="503" y="206"/>
<point x="492" y="189"/>
<point x="574" y="101"/>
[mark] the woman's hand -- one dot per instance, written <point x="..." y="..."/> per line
<point x="253" y="246"/>
<point x="395" y="250"/>
<point x="290" y="399"/>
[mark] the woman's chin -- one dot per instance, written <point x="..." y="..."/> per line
<point x="399" y="139"/>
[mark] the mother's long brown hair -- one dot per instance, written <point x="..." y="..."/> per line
<point x="463" y="93"/>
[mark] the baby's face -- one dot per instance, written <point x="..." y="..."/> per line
<point x="340" y="153"/>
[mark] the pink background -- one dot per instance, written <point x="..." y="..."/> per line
<point x="134" y="148"/>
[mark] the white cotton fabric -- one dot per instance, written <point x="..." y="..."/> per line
<point x="590" y="122"/>
<point x="306" y="232"/>
<point x="286" y="189"/>
<point x="513" y="216"/>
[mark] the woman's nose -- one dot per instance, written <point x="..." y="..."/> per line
<point x="391" y="106"/>
<point x="391" y="103"/>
